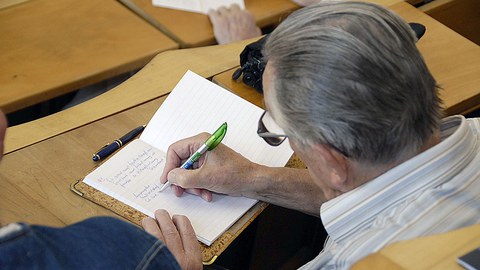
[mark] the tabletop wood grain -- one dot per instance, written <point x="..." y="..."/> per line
<point x="52" y="47"/>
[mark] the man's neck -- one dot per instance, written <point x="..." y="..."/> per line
<point x="362" y="173"/>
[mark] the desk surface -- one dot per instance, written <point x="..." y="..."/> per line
<point x="39" y="192"/>
<point x="34" y="186"/>
<point x="453" y="60"/>
<point x="432" y="252"/>
<point x="154" y="80"/>
<point x="9" y="3"/>
<point x="456" y="68"/>
<point x="194" y="29"/>
<point x="51" y="47"/>
<point x="35" y="182"/>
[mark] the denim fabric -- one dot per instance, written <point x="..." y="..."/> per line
<point x="95" y="243"/>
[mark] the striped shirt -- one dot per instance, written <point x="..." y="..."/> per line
<point x="434" y="192"/>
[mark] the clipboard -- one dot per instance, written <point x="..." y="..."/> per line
<point x="209" y="253"/>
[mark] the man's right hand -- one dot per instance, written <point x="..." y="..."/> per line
<point x="221" y="170"/>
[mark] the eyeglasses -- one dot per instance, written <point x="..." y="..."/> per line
<point x="269" y="131"/>
<point x="273" y="134"/>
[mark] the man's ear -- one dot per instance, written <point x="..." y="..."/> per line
<point x="337" y="165"/>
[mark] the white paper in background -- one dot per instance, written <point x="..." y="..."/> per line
<point x="195" y="105"/>
<point x="198" y="6"/>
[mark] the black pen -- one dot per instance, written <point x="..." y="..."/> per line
<point x="110" y="148"/>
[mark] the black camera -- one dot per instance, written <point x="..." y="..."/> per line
<point x="252" y="65"/>
<point x="252" y="72"/>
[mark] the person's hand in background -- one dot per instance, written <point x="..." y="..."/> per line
<point x="233" y="24"/>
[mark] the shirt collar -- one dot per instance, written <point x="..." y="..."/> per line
<point x="356" y="209"/>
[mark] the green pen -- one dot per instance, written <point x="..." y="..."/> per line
<point x="209" y="145"/>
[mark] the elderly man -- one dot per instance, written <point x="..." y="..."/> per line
<point x="353" y="95"/>
<point x="358" y="105"/>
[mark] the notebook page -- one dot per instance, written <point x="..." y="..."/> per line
<point x="132" y="177"/>
<point x="187" y="5"/>
<point x="197" y="105"/>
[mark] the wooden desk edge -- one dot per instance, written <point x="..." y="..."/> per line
<point x="163" y="72"/>
<point x="390" y="257"/>
<point x="9" y="3"/>
<point x="27" y="84"/>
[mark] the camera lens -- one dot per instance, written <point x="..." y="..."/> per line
<point x="249" y="78"/>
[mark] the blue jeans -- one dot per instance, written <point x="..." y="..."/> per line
<point x="95" y="243"/>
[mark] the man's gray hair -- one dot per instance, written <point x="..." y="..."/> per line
<point x="349" y="75"/>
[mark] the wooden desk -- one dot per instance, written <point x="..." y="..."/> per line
<point x="39" y="193"/>
<point x="8" y="3"/>
<point x="154" y="80"/>
<point x="193" y="29"/>
<point x="52" y="47"/>
<point x="35" y="180"/>
<point x="453" y="60"/>
<point x="432" y="252"/>
<point x="463" y="16"/>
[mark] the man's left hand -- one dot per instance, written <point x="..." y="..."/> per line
<point x="233" y="24"/>
<point x="178" y="235"/>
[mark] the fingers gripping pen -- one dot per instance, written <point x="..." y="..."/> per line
<point x="209" y="145"/>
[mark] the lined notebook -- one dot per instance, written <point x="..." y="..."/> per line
<point x="195" y="105"/>
<point x="198" y="6"/>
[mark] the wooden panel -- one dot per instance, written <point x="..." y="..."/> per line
<point x="414" y="2"/>
<point x="36" y="180"/>
<point x="463" y="16"/>
<point x="9" y="3"/>
<point x="156" y="79"/>
<point x="452" y="59"/>
<point x="432" y="252"/>
<point x="51" y="47"/>
<point x="39" y="193"/>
